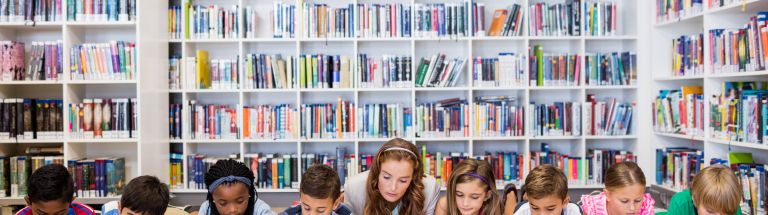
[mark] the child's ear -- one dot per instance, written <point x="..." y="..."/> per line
<point x="566" y="200"/>
<point x="338" y="201"/>
<point x="488" y="195"/>
<point x="26" y="199"/>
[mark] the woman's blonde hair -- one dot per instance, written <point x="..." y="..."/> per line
<point x="717" y="188"/>
<point x="472" y="170"/>
<point x="412" y="201"/>
<point x="624" y="174"/>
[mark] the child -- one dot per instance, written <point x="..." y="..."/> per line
<point x="471" y="191"/>
<point x="715" y="190"/>
<point x="231" y="191"/>
<point x="546" y="191"/>
<point x="51" y="191"/>
<point x="144" y="195"/>
<point x="395" y="184"/>
<point x="320" y="193"/>
<point x="624" y="193"/>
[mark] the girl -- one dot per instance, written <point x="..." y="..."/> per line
<point x="395" y="184"/>
<point x="624" y="193"/>
<point x="471" y="191"/>
<point x="230" y="189"/>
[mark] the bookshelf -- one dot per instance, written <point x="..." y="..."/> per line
<point x="146" y="153"/>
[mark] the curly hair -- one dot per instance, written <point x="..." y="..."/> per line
<point x="228" y="167"/>
<point x="412" y="201"/>
<point x="460" y="175"/>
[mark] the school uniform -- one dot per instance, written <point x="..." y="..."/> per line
<point x="355" y="193"/>
<point x="259" y="208"/>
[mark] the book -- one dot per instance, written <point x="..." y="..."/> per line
<point x="328" y="120"/>
<point x="712" y="4"/>
<point x="377" y="20"/>
<point x="43" y="61"/>
<point x="387" y="71"/>
<point x="211" y="121"/>
<point x="676" y="167"/>
<point x="602" y="17"/>
<point x="282" y="20"/>
<point x="101" y="10"/>
<point x="343" y="163"/>
<point x="572" y="166"/>
<point x="175" y="121"/>
<point x="174" y="73"/>
<point x="15" y="170"/>
<point x="688" y="55"/>
<point x="213" y="21"/>
<point x="560" y="118"/>
<point x="198" y="165"/>
<point x="270" y="122"/>
<point x="680" y="111"/>
<point x="264" y="71"/>
<point x="439" y="71"/>
<point x="384" y="121"/>
<point x="507" y="166"/>
<point x="109" y="118"/>
<point x="555" y="19"/>
<point x="752" y="178"/>
<point x="498" y="116"/>
<point x="599" y="160"/>
<point x="320" y="71"/>
<point x="444" y="118"/>
<point x="437" y="20"/>
<point x="611" y="69"/>
<point x="31" y="10"/>
<point x="738" y="112"/>
<point x="174" y="21"/>
<point x="320" y="20"/>
<point x="670" y="10"/>
<point x="441" y="164"/>
<point x="547" y="69"/>
<point x="740" y="49"/>
<point x="115" y="60"/>
<point x="98" y="177"/>
<point x="607" y="118"/>
<point x="504" y="22"/>
<point x="504" y="70"/>
<point x="201" y="72"/>
<point x="26" y="119"/>
<point x="176" y="180"/>
<point x="261" y="165"/>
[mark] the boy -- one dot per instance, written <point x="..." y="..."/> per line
<point x="144" y="195"/>
<point x="546" y="190"/>
<point x="320" y="193"/>
<point x="715" y="190"/>
<point x="51" y="191"/>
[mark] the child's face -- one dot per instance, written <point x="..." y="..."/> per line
<point x="394" y="179"/>
<point x="314" y="206"/>
<point x="54" y="207"/>
<point x="549" y="205"/>
<point x="127" y="211"/>
<point x="704" y="210"/>
<point x="470" y="197"/>
<point x="231" y="199"/>
<point x="625" y="200"/>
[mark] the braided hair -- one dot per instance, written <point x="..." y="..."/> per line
<point x="229" y="167"/>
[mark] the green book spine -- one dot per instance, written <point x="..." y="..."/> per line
<point x="539" y="52"/>
<point x="186" y="20"/>
<point x="314" y="71"/>
<point x="302" y="72"/>
<point x="422" y="72"/>
<point x="286" y="171"/>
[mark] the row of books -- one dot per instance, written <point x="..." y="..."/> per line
<point x="607" y="118"/>
<point x="175" y="17"/>
<point x="444" y="118"/>
<point x="175" y="80"/>
<point x="383" y="20"/>
<point x="283" y="21"/>
<point x="270" y="122"/>
<point x="554" y="119"/>
<point x="176" y="176"/>
<point x="439" y="71"/>
<point x="101" y="10"/>
<point x="505" y="22"/>
<point x="676" y="167"/>
<point x="740" y="50"/>
<point x="553" y="69"/>
<point x="442" y="20"/>
<point x="668" y="10"/>
<point x="611" y="69"/>
<point x="31" y="119"/>
<point x="504" y="70"/>
<point x="323" y="21"/>
<point x="43" y="61"/>
<point x="738" y="113"/>
<point x="602" y="18"/>
<point x="558" y="19"/>
<point x="15" y="172"/>
<point x="599" y="160"/>
<point x="507" y="166"/>
<point x="572" y="166"/>
<point x="115" y="60"/>
<point x="108" y="118"/>
<point x="498" y="116"/>
<point x="98" y="177"/>
<point x="328" y="121"/>
<point x="30" y="10"/>
<point x="197" y="166"/>
<point x="388" y="71"/>
<point x="688" y="55"/>
<point x="384" y="121"/>
<point x="440" y="165"/>
<point x="753" y="182"/>
<point x="212" y="121"/>
<point x="201" y="72"/>
<point x="680" y="111"/>
<point x="213" y="21"/>
<point x="318" y="71"/>
<point x="264" y="71"/>
<point x="711" y="4"/>
<point x="275" y="171"/>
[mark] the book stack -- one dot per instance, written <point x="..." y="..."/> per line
<point x="201" y="72"/>
<point x="198" y="165"/>
<point x="445" y="118"/>
<point x="559" y="19"/>
<point x="15" y="171"/>
<point x="504" y="70"/>
<point x="174" y="22"/>
<point x="680" y="111"/>
<point x="322" y="21"/>
<point x="43" y="61"/>
<point x="115" y="60"/>
<point x="553" y="69"/>
<point x="213" y="22"/>
<point x="383" y="20"/>
<point x="270" y="122"/>
<point x="572" y="166"/>
<point x="31" y="119"/>
<point x="439" y="71"/>
<point x="274" y="171"/>
<point x="30" y="10"/>
<point x="607" y="118"/>
<point x="740" y="50"/>
<point x="269" y="71"/>
<point x="319" y="71"/>
<point x="498" y="116"/>
<point x="688" y="55"/>
<point x="507" y="166"/>
<point x="669" y="10"/>
<point x="174" y="73"/>
<point x="388" y="71"/>
<point x="599" y="160"/>
<point x="98" y="177"/>
<point x="712" y="4"/>
<point x="505" y="22"/>
<point x="441" y="165"/>
<point x="385" y="121"/>
<point x="176" y="180"/>
<point x="109" y="118"/>
<point x="676" y="167"/>
<point x="175" y="116"/>
<point x="738" y="113"/>
<point x="602" y="17"/>
<point x="344" y="164"/>
<point x="328" y="121"/>
<point x="752" y="177"/>
<point x="212" y="121"/>
<point x="282" y="20"/>
<point x="100" y="10"/>
<point x="611" y="69"/>
<point x="554" y="119"/>
<point x="442" y="20"/>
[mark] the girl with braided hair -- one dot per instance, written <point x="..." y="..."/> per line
<point x="231" y="191"/>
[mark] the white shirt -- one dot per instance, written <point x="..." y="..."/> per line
<point x="355" y="193"/>
<point x="571" y="209"/>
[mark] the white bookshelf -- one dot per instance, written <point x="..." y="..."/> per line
<point x="146" y="153"/>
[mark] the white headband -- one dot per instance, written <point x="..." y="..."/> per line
<point x="402" y="149"/>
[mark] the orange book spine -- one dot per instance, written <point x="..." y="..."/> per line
<point x="246" y="123"/>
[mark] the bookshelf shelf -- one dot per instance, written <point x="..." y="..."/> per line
<point x="327" y="90"/>
<point x="100" y="82"/>
<point x="555" y="38"/>
<point x="556" y="88"/>
<point x="666" y="188"/>
<point x="10" y="141"/>
<point x="212" y="40"/>
<point x="396" y="89"/>
<point x="688" y="20"/>
<point x="745" y="6"/>
<point x="623" y="37"/>
<point x="213" y="141"/>
<point x="739" y="74"/>
<point x="556" y="138"/>
<point x="268" y="90"/>
<point x="618" y="87"/>
<point x="611" y="137"/>
<point x="363" y="39"/>
<point x="491" y="138"/>
<point x="739" y="144"/>
<point x="30" y="82"/>
<point x="486" y="38"/>
<point x="440" y="139"/>
<point x="681" y="136"/>
<point x="679" y="78"/>
<point x="441" y="88"/>
<point x="377" y="139"/>
<point x="498" y="88"/>
<point x="270" y="140"/>
<point x="175" y="40"/>
<point x="347" y="140"/>
<point x="96" y="141"/>
<point x="102" y="24"/>
<point x="439" y="39"/>
<point x="269" y="40"/>
<point x="212" y="91"/>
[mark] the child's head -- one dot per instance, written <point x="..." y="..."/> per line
<point x="716" y="190"/>
<point x="230" y="188"/>
<point x="320" y="191"/>
<point x="50" y="190"/>
<point x="395" y="176"/>
<point x="472" y="189"/>
<point x="624" y="188"/>
<point x="547" y="190"/>
<point x="144" y="195"/>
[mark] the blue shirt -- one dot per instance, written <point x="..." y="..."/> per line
<point x="259" y="208"/>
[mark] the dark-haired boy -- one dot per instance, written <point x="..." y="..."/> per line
<point x="546" y="192"/>
<point x="144" y="195"/>
<point x="51" y="191"/>
<point x="320" y="193"/>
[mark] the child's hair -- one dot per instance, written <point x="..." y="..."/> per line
<point x="546" y="180"/>
<point x="230" y="171"/>
<point x="472" y="170"/>
<point x="51" y="182"/>
<point x="320" y="182"/>
<point x="717" y="188"/>
<point x="624" y="174"/>
<point x="412" y="201"/>
<point x="145" y="194"/>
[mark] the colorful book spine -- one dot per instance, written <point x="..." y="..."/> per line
<point x="174" y="73"/>
<point x="670" y="10"/>
<point x="504" y="70"/>
<point x="607" y="118"/>
<point x="319" y="71"/>
<point x="554" y="119"/>
<point x="572" y="166"/>
<point x="15" y="171"/>
<point x="98" y="177"/>
<point x="498" y="116"/>
<point x="214" y="22"/>
<point x="555" y="19"/>
<point x="688" y="55"/>
<point x="31" y="10"/>
<point x="264" y="166"/>
<point x="31" y="119"/>
<point x="175" y="116"/>
<point x="176" y="174"/>
<point x="740" y="50"/>
<point x="384" y="121"/>
<point x="382" y="20"/>
<point x="752" y="180"/>
<point x="740" y="112"/>
<point x="282" y="21"/>
<point x="174" y="22"/>
<point x="328" y="121"/>
<point x="344" y="164"/>
<point x="441" y="164"/>
<point x="388" y="71"/>
<point x="507" y="166"/>
<point x="442" y="20"/>
<point x="212" y="121"/>
<point x="439" y="71"/>
<point x="680" y="111"/>
<point x="602" y="17"/>
<point x="322" y="21"/>
<point x="101" y="10"/>
<point x="611" y="69"/>
<point x="43" y="61"/>
<point x="269" y="72"/>
<point x="200" y="72"/>
<point x="599" y="160"/>
<point x="712" y="4"/>
<point x="553" y="69"/>
<point x="506" y="22"/>
<point x="445" y="118"/>
<point x="270" y="122"/>
<point x="115" y="60"/>
<point x="113" y="118"/>
<point x="676" y="167"/>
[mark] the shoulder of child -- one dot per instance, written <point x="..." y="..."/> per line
<point x="110" y="208"/>
<point x="262" y="208"/>
<point x="681" y="203"/>
<point x="343" y="209"/>
<point x="293" y="210"/>
<point x="572" y="209"/>
<point x="204" y="208"/>
<point x="593" y="203"/>
<point x="81" y="209"/>
<point x="442" y="206"/>
<point x="524" y="208"/>
<point x="355" y="192"/>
